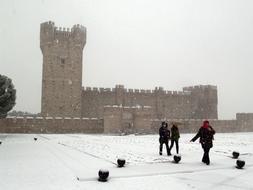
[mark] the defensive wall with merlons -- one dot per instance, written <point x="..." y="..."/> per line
<point x="196" y="102"/>
<point x="118" y="120"/>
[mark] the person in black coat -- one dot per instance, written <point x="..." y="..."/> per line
<point x="164" y="135"/>
<point x="205" y="134"/>
<point x="174" y="137"/>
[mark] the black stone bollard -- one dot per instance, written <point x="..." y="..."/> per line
<point x="177" y="158"/>
<point x="35" y="138"/>
<point x="0" y="142"/>
<point x="240" y="164"/>
<point x="235" y="154"/>
<point x="103" y="175"/>
<point x="121" y="162"/>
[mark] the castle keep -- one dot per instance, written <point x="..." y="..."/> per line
<point x="62" y="51"/>
<point x="63" y="94"/>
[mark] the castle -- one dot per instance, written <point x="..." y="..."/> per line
<point x="67" y="107"/>
<point x="63" y="94"/>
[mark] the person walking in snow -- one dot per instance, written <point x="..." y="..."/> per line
<point x="164" y="135"/>
<point x="174" y="137"/>
<point x="205" y="133"/>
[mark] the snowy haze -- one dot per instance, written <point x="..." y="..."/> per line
<point x="137" y="43"/>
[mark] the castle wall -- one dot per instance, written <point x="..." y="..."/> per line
<point x="203" y="101"/>
<point x="51" y="125"/>
<point x="113" y="119"/>
<point x="118" y="119"/>
<point x="242" y="123"/>
<point x="94" y="100"/>
<point x="191" y="103"/>
<point x="245" y="121"/>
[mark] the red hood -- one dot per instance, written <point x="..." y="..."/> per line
<point x="205" y="124"/>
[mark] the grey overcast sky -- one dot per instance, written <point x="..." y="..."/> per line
<point x="138" y="43"/>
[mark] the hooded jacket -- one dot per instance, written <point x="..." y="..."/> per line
<point x="205" y="134"/>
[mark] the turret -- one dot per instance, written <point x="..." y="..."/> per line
<point x="46" y="33"/>
<point x="79" y="35"/>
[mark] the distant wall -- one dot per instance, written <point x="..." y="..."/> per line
<point x="195" y="102"/>
<point x="51" y="125"/>
<point x="245" y="121"/>
<point x="119" y="119"/>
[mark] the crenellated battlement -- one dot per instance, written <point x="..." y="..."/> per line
<point x="199" y="87"/>
<point x="135" y="91"/>
<point x="49" y="34"/>
<point x="14" y="118"/>
<point x="98" y="90"/>
<point x="127" y="107"/>
<point x="62" y="32"/>
<point x="51" y="125"/>
<point x="49" y="24"/>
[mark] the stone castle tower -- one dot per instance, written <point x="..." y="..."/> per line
<point x="62" y="51"/>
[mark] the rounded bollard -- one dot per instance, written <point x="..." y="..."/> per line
<point x="0" y="142"/>
<point x="235" y="154"/>
<point x="35" y="138"/>
<point x="240" y="164"/>
<point x="177" y="158"/>
<point x="103" y="175"/>
<point x="121" y="162"/>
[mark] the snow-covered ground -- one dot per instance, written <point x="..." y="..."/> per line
<point x="72" y="162"/>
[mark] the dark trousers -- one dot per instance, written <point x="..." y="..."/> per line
<point x="172" y="144"/>
<point x="205" y="158"/>
<point x="166" y="142"/>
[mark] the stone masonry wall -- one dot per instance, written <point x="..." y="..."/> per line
<point x="245" y="121"/>
<point x="196" y="102"/>
<point x="118" y="119"/>
<point x="51" y="125"/>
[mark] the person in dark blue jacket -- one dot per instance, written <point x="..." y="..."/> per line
<point x="164" y="136"/>
<point x="205" y="133"/>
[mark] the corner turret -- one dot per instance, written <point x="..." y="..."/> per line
<point x="46" y="33"/>
<point x="79" y="35"/>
